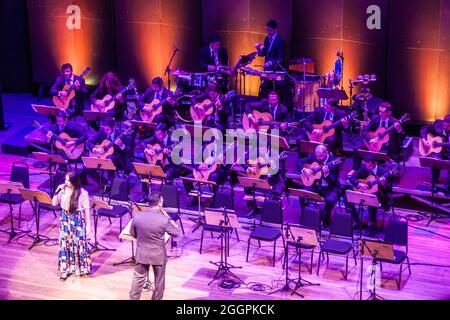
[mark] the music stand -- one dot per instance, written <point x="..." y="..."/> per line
<point x="51" y="159"/>
<point x="48" y="111"/>
<point x="199" y="194"/>
<point x="126" y="235"/>
<point x="306" y="195"/>
<point x="96" y="116"/>
<point x="138" y="124"/>
<point x="375" y="250"/>
<point x="226" y="222"/>
<point x="310" y="146"/>
<point x="36" y="198"/>
<point x="362" y="200"/>
<point x="11" y="188"/>
<point x="255" y="184"/>
<point x="152" y="172"/>
<point x="100" y="165"/>
<point x="378" y="156"/>
<point x="434" y="164"/>
<point x="95" y="205"/>
<point x="325" y="93"/>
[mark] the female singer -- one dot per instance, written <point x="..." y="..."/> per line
<point x="75" y="224"/>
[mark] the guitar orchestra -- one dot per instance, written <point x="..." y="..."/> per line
<point x="213" y="105"/>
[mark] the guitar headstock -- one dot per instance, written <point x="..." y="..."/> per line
<point x="36" y="124"/>
<point x="405" y="117"/>
<point x="128" y="131"/>
<point x="85" y="72"/>
<point x="394" y="172"/>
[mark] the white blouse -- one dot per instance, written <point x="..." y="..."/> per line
<point x="63" y="199"/>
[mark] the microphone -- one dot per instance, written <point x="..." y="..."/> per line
<point x="175" y="48"/>
<point x="59" y="190"/>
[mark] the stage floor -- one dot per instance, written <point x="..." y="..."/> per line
<point x="32" y="274"/>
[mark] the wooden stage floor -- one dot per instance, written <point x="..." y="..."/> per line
<point x="32" y="274"/>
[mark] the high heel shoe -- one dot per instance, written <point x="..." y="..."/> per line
<point x="63" y="277"/>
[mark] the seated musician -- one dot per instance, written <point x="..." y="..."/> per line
<point x="274" y="177"/>
<point x="328" y="186"/>
<point x="214" y="55"/>
<point x="109" y="86"/>
<point x="122" y="147"/>
<point x="384" y="119"/>
<point x="371" y="168"/>
<point x="272" y="106"/>
<point x="440" y="128"/>
<point x="331" y="113"/>
<point x="219" y="117"/>
<point x="164" y="139"/>
<point x="68" y="78"/>
<point x="219" y="176"/>
<point x="159" y="92"/>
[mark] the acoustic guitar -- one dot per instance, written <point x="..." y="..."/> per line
<point x="61" y="141"/>
<point x="328" y="128"/>
<point x="436" y="145"/>
<point x="262" y="166"/>
<point x="152" y="109"/>
<point x="381" y="136"/>
<point x="108" y="145"/>
<point x="372" y="182"/>
<point x="159" y="154"/>
<point x="201" y="110"/>
<point x="316" y="168"/>
<point x="63" y="102"/>
<point x="264" y="121"/>
<point x="210" y="165"/>
<point x="109" y="102"/>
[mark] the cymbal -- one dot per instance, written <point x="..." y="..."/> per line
<point x="362" y="96"/>
<point x="179" y="72"/>
<point x="300" y="61"/>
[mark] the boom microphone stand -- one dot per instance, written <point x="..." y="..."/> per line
<point x="175" y="49"/>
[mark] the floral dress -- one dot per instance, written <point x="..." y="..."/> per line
<point x="73" y="247"/>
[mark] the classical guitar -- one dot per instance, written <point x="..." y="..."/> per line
<point x="201" y="110"/>
<point x="372" y="182"/>
<point x="61" y="141"/>
<point x="210" y="165"/>
<point x="159" y="154"/>
<point x="108" y="145"/>
<point x="109" y="102"/>
<point x="152" y="109"/>
<point x="381" y="136"/>
<point x="264" y="121"/>
<point x="436" y="145"/>
<point x="63" y="102"/>
<point x="261" y="166"/>
<point x="328" y="128"/>
<point x="316" y="168"/>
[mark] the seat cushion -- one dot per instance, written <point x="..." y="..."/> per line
<point x="15" y="198"/>
<point x="115" y="212"/>
<point x="212" y="228"/>
<point x="336" y="246"/>
<point x="399" y="257"/>
<point x="265" y="233"/>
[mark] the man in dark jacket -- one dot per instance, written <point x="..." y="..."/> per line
<point x="214" y="55"/>
<point x="149" y="228"/>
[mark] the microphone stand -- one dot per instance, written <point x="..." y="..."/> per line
<point x="168" y="67"/>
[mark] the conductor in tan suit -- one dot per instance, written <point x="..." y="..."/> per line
<point x="149" y="228"/>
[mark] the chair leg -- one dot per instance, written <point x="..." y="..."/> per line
<point x="201" y="241"/>
<point x="274" y="248"/>
<point x="110" y="222"/>
<point x="318" y="263"/>
<point x="346" y="267"/>
<point x="120" y="227"/>
<point x="400" y="277"/>
<point x="54" y="213"/>
<point x="311" y="264"/>
<point x="181" y="225"/>
<point x="354" y="256"/>
<point x="409" y="266"/>
<point x="20" y="214"/>
<point x="259" y="243"/>
<point x="328" y="259"/>
<point x="248" y="248"/>
<point x="237" y="234"/>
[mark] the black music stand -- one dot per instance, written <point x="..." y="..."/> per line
<point x="255" y="184"/>
<point x="126" y="235"/>
<point x="378" y="156"/>
<point x="48" y="111"/>
<point x="306" y="195"/>
<point x="36" y="198"/>
<point x="226" y="222"/>
<point x="310" y="146"/>
<point x="375" y="250"/>
<point x="96" y="116"/>
<point x="100" y="165"/>
<point x="138" y="124"/>
<point x="434" y="164"/>
<point x="199" y="194"/>
<point x="153" y="173"/>
<point x="51" y="159"/>
<point x="325" y="93"/>
<point x="95" y="205"/>
<point x="363" y="200"/>
<point x="11" y="188"/>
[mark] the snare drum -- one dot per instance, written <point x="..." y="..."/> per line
<point x="183" y="110"/>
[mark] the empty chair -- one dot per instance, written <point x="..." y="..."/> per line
<point x="120" y="191"/>
<point x="271" y="214"/>
<point x="171" y="197"/>
<point x="397" y="233"/>
<point x="341" y="226"/>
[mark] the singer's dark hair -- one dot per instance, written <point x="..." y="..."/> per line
<point x="76" y="182"/>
